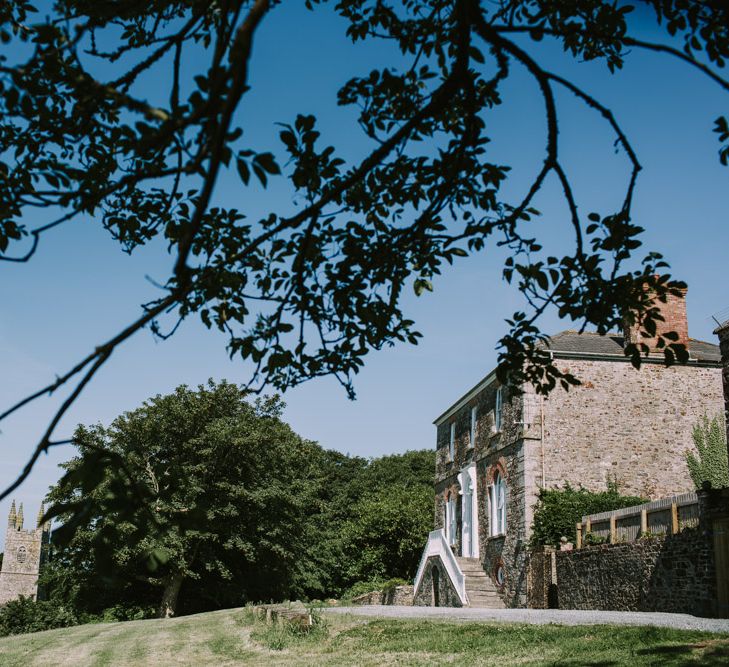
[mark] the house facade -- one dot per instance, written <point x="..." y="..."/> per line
<point x="496" y="449"/>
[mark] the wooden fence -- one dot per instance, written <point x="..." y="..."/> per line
<point x="666" y="516"/>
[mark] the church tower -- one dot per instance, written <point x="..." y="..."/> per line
<point x="25" y="553"/>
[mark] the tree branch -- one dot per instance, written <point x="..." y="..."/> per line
<point x="629" y="41"/>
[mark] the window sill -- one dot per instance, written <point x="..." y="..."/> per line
<point x="499" y="536"/>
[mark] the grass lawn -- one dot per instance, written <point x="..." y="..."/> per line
<point x="233" y="637"/>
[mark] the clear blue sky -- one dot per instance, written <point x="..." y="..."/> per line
<point x="80" y="288"/>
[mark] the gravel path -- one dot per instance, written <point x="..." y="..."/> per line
<point x="541" y="616"/>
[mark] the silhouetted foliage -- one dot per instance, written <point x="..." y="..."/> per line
<point x="308" y="291"/>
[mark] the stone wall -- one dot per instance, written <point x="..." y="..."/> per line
<point x="541" y="573"/>
<point x="446" y="593"/>
<point x="399" y="595"/>
<point x="631" y="425"/>
<point x="492" y="449"/>
<point x="674" y="573"/>
<point x="508" y="550"/>
<point x="487" y="439"/>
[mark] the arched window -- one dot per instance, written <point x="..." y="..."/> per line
<point x="22" y="554"/>
<point x="497" y="504"/>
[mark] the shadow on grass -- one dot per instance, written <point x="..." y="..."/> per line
<point x="705" y="653"/>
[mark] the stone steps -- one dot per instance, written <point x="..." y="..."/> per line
<point x="480" y="589"/>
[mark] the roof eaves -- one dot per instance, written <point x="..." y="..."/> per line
<point x="466" y="398"/>
<point x="604" y="356"/>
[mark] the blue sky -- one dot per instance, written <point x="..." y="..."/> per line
<point x="80" y="288"/>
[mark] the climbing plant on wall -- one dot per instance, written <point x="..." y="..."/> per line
<point x="708" y="463"/>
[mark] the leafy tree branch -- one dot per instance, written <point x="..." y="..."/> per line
<point x="310" y="292"/>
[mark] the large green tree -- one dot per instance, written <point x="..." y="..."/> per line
<point x="384" y="537"/>
<point x="305" y="291"/>
<point x="372" y="520"/>
<point x="205" y="496"/>
<point x="225" y="485"/>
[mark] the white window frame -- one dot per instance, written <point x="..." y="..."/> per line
<point x="450" y="520"/>
<point x="498" y="409"/>
<point x="497" y="506"/>
<point x="472" y="435"/>
<point x="452" y="442"/>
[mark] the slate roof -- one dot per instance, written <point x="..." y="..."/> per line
<point x="610" y="346"/>
<point x="573" y="342"/>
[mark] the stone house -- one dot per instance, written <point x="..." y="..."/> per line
<point x="496" y="449"/>
<point x="26" y="550"/>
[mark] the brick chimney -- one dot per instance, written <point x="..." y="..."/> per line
<point x="674" y="319"/>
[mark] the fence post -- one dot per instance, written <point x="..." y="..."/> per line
<point x="674" y="518"/>
<point x="588" y="525"/>
<point x="643" y="521"/>
<point x="613" y="529"/>
<point x="579" y="536"/>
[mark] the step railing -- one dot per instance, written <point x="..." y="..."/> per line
<point x="437" y="545"/>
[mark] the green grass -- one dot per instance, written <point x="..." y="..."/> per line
<point x="234" y="637"/>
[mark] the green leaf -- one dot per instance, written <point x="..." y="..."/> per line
<point x="243" y="170"/>
<point x="420" y="285"/>
<point x="268" y="162"/>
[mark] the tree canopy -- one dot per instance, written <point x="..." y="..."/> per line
<point x="310" y="290"/>
<point x="204" y="495"/>
<point x="558" y="511"/>
<point x="226" y="487"/>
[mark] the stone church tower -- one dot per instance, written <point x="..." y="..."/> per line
<point x="25" y="553"/>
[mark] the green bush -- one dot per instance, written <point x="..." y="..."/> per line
<point x="121" y="612"/>
<point x="559" y="510"/>
<point x="392" y="584"/>
<point x="28" y="615"/>
<point x="592" y="539"/>
<point x="362" y="587"/>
